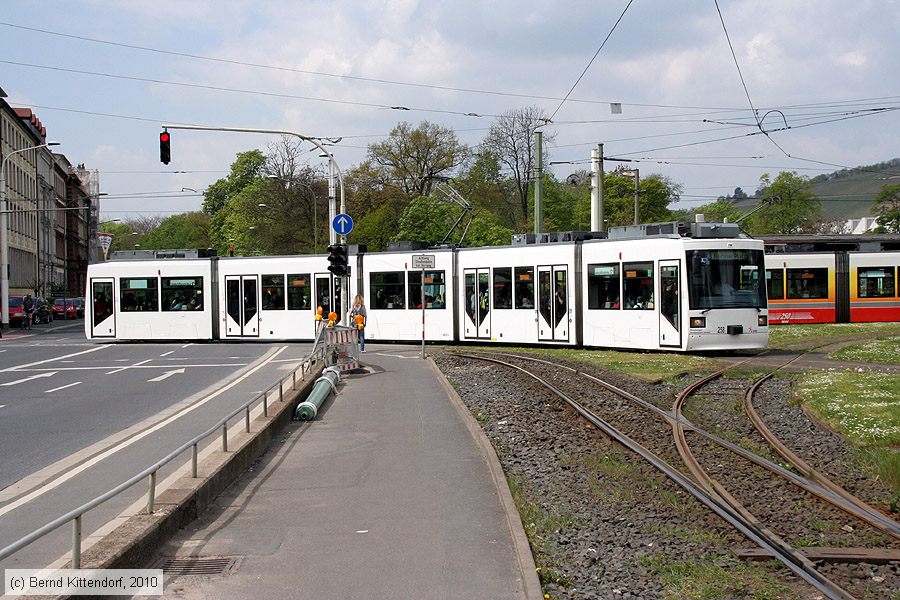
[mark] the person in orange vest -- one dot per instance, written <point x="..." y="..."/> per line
<point x="358" y="315"/>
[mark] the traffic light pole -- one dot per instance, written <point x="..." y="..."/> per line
<point x="333" y="169"/>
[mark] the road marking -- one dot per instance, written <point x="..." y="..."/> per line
<point x="167" y="353"/>
<point x="2" y="406"/>
<point x="29" y="378"/>
<point x="72" y="472"/>
<point x="120" y="369"/>
<point x="186" y="345"/>
<point x="62" y="387"/>
<point x="40" y="362"/>
<point x="166" y="375"/>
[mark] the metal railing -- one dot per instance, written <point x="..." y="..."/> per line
<point x="150" y="472"/>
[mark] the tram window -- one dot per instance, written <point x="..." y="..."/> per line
<point x="435" y="289"/>
<point x="775" y="284"/>
<point x="524" y="287"/>
<point x="603" y="286"/>
<point x="503" y="287"/>
<point x="140" y="293"/>
<point x="386" y="290"/>
<point x="180" y="293"/>
<point x="638" y="288"/>
<point x="726" y="278"/>
<point x="273" y="292"/>
<point x="299" y="292"/>
<point x="875" y="282"/>
<point x="807" y="283"/>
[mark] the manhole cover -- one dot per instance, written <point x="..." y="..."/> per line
<point x="199" y="565"/>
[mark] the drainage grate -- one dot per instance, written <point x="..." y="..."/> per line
<point x="199" y="565"/>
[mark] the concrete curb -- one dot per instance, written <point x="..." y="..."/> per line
<point x="531" y="584"/>
<point x="133" y="544"/>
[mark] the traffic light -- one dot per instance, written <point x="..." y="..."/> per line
<point x="165" y="153"/>
<point x="337" y="260"/>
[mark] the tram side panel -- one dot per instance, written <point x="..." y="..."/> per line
<point x="873" y="287"/>
<point x="801" y="288"/>
<point x="274" y="297"/>
<point x="150" y="300"/>
<point x="393" y="292"/>
<point x="518" y="294"/>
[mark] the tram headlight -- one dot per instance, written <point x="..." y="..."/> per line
<point x="698" y="322"/>
<point x="763" y="320"/>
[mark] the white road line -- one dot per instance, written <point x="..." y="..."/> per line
<point x="186" y="345"/>
<point x="29" y="378"/>
<point x="41" y="362"/>
<point x="167" y="374"/>
<point x="119" y="370"/>
<point x="167" y="353"/>
<point x="2" y="406"/>
<point x="134" y="366"/>
<point x="62" y="387"/>
<point x="69" y="474"/>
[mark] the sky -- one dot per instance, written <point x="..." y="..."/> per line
<point x="712" y="96"/>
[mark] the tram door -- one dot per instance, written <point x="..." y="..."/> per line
<point x="477" y="290"/>
<point x="670" y="308"/>
<point x="553" y="303"/>
<point x="241" y="306"/>
<point x="103" y="322"/>
<point x="328" y="294"/>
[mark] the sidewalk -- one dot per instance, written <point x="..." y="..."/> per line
<point x="386" y="495"/>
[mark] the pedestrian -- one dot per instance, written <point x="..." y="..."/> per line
<point x="28" y="309"/>
<point x="358" y="316"/>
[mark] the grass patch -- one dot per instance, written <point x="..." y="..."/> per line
<point x="863" y="406"/>
<point x="787" y="336"/>
<point x="885" y="466"/>
<point x="648" y="366"/>
<point x="538" y="523"/>
<point x="716" y="577"/>
<point x="879" y="351"/>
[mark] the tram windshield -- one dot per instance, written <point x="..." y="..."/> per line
<point x="726" y="278"/>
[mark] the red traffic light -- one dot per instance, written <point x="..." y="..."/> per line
<point x="165" y="152"/>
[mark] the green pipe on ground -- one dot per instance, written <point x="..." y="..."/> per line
<point x="324" y="385"/>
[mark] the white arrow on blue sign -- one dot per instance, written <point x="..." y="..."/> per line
<point x="342" y="224"/>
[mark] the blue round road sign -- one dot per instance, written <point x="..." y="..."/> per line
<point x="342" y="224"/>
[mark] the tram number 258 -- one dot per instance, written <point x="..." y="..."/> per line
<point x="721" y="330"/>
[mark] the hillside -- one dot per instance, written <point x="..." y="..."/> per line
<point x="847" y="194"/>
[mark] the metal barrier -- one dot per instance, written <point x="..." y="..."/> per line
<point x="150" y="472"/>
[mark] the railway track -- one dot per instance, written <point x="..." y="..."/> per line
<point x="712" y="493"/>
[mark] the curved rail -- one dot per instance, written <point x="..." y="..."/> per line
<point x="800" y="567"/>
<point x="814" y="485"/>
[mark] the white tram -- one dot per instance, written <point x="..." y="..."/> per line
<point x="667" y="286"/>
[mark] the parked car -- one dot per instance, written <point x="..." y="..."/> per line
<point x="16" y="313"/>
<point x="64" y="308"/>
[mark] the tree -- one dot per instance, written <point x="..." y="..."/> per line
<point x="248" y="167"/>
<point x="720" y="211"/>
<point x="887" y="209"/>
<point x="188" y="230"/>
<point x="655" y="194"/>
<point x="410" y="158"/>
<point x="426" y="219"/>
<point x="511" y="140"/>
<point x="792" y="207"/>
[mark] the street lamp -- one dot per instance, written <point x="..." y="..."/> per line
<point x="4" y="235"/>
<point x="636" y="173"/>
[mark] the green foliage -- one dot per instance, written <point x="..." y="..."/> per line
<point x="887" y="209"/>
<point x="486" y="230"/>
<point x="410" y="158"/>
<point x="377" y="227"/>
<point x="244" y="170"/>
<point x="121" y="236"/>
<point x="795" y="206"/>
<point x="188" y="230"/>
<point x="426" y="219"/>
<point x="719" y="211"/>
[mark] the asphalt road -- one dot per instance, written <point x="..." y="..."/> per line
<point x="78" y="417"/>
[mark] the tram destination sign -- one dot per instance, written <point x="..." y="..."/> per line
<point x="423" y="261"/>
